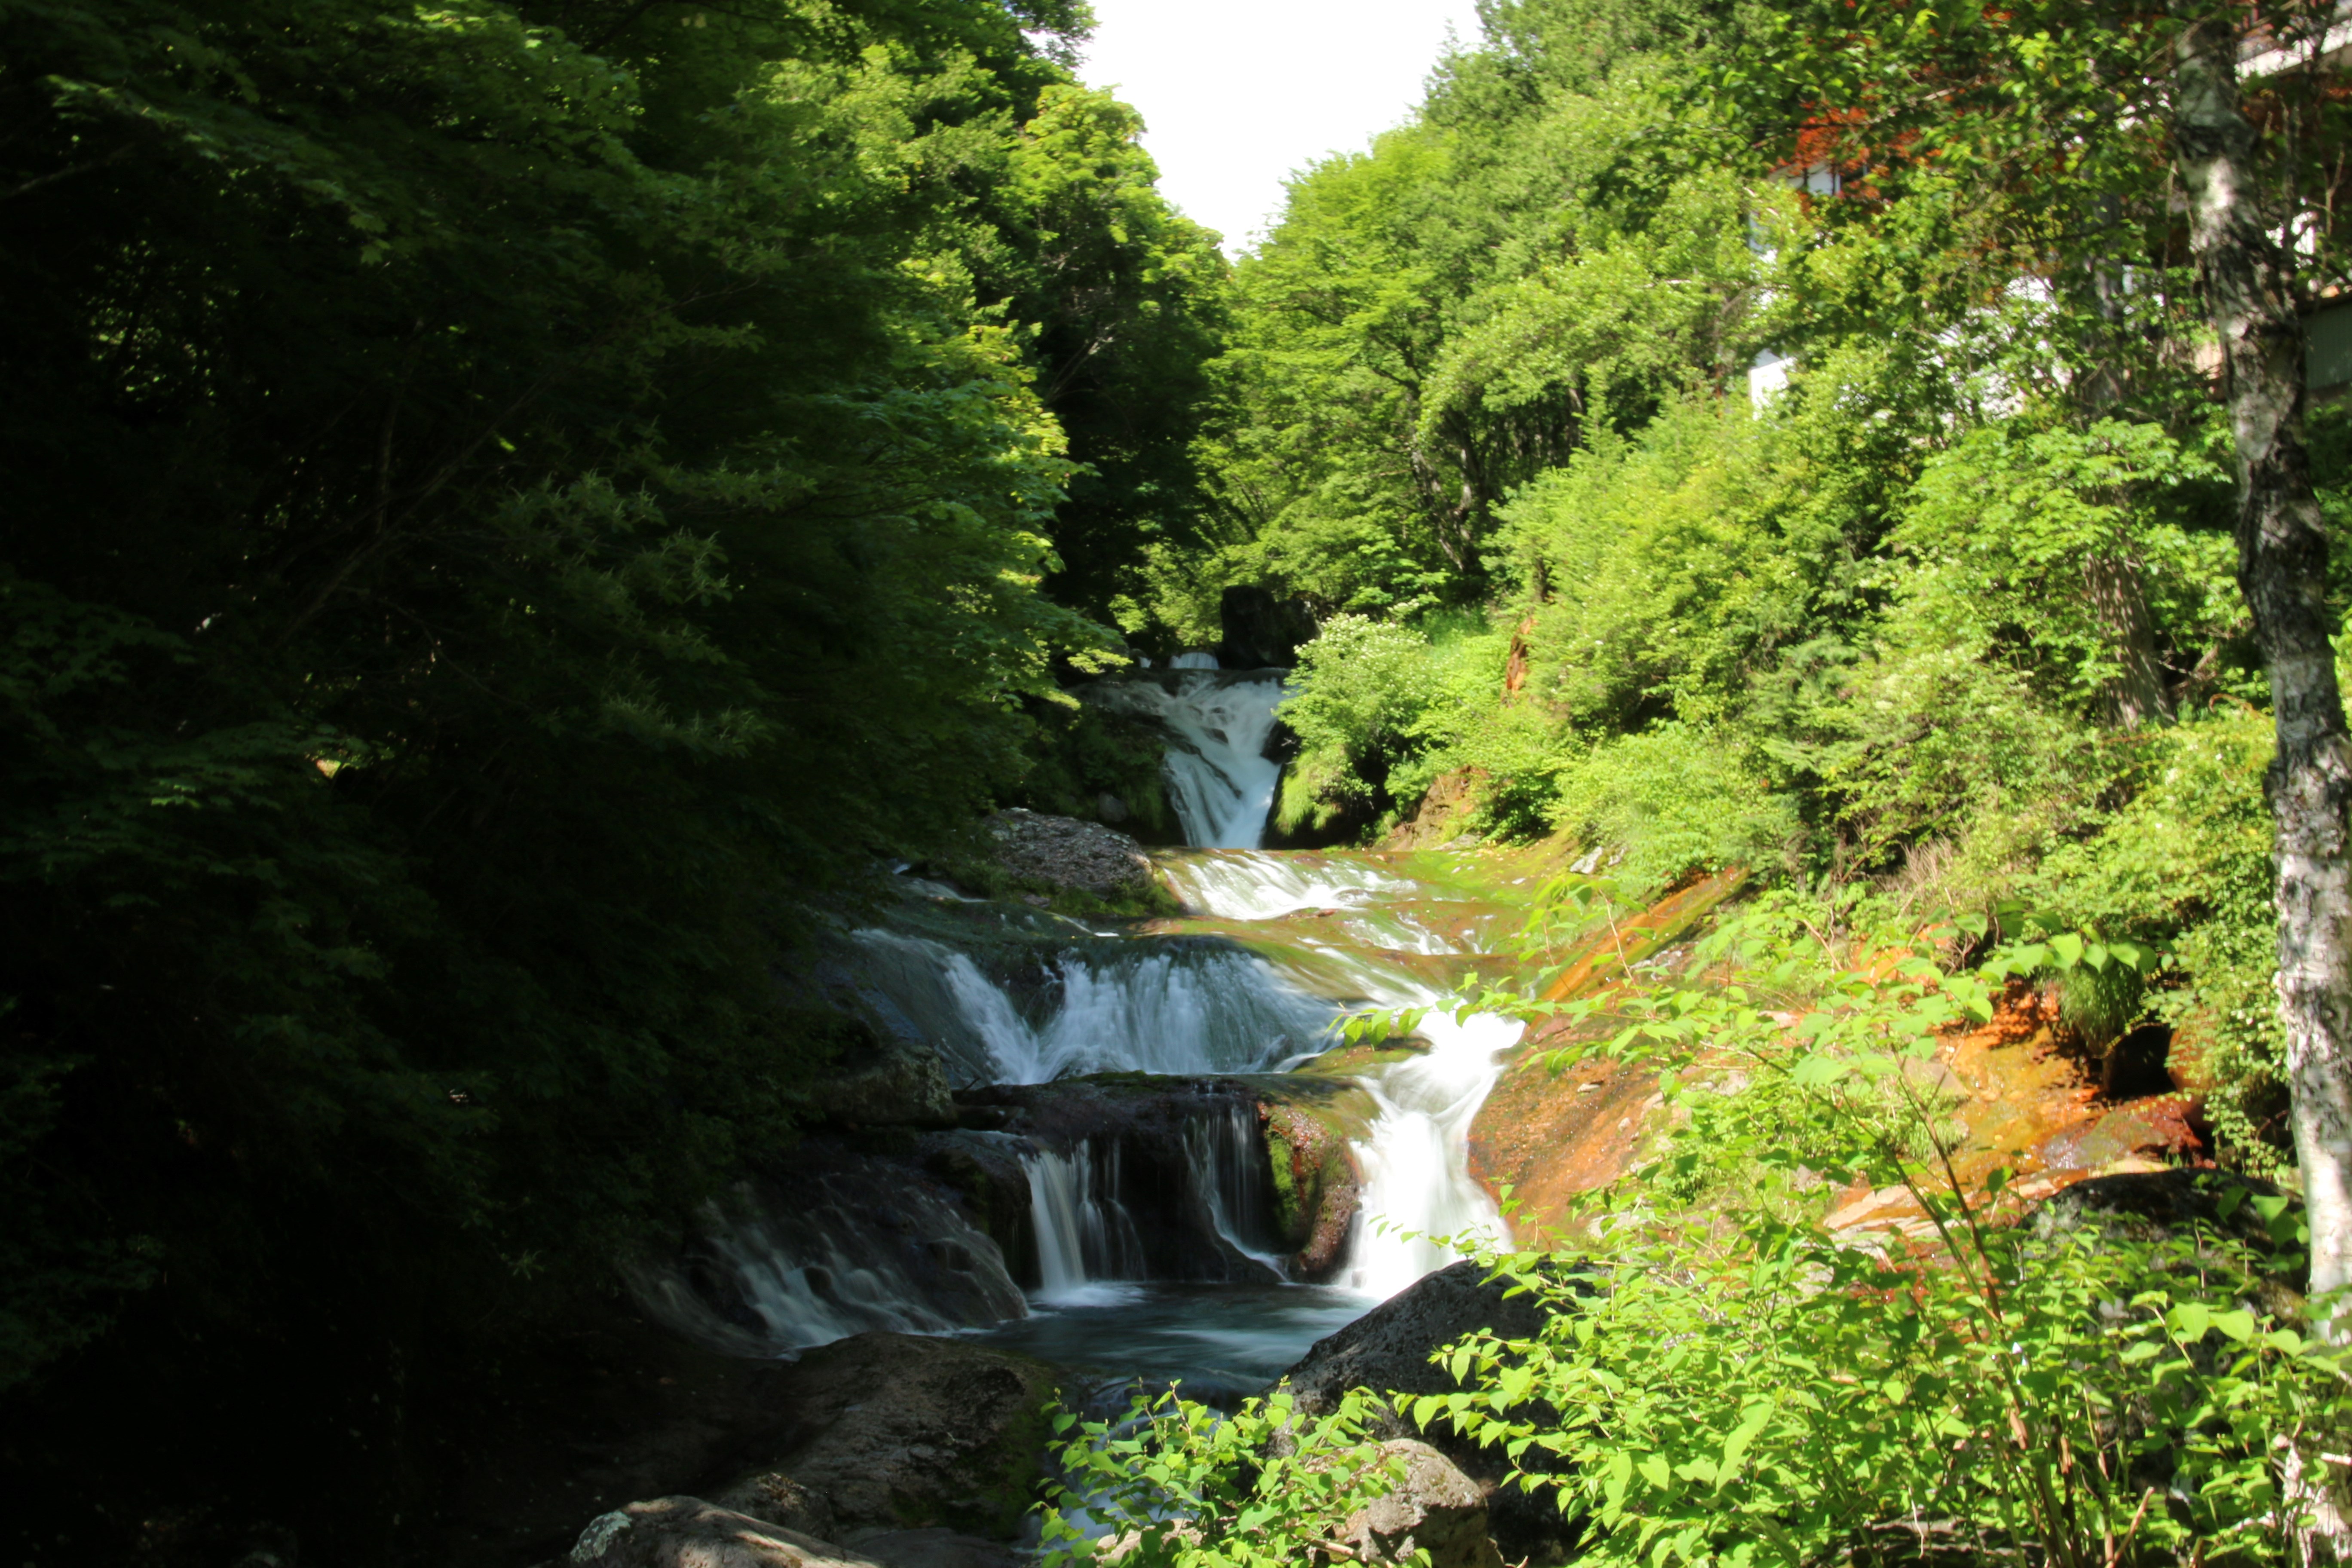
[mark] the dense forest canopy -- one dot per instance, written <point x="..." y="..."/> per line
<point x="1725" y="473"/>
<point x="511" y="504"/>
<point x="506" y="502"/>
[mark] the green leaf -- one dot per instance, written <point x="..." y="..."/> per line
<point x="2190" y="1320"/>
<point x="2238" y="1325"/>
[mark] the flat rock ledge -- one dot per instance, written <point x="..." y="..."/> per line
<point x="1064" y="852"/>
<point x="688" y="1532"/>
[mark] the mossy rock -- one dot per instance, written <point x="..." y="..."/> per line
<point x="909" y="1432"/>
<point x="1311" y="1125"/>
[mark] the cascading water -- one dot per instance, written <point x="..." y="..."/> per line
<point x="1165" y="1006"/>
<point x="839" y="1252"/>
<point x="1415" y="1156"/>
<point x="1037" y="998"/>
<point x="1258" y="885"/>
<point x="1218" y="724"/>
<point x="1230" y="1182"/>
<point x="1085" y="1236"/>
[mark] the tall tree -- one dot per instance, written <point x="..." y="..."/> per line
<point x="2060" y="121"/>
<point x="2238" y="215"/>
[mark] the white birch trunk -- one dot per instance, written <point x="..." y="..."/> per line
<point x="2282" y="570"/>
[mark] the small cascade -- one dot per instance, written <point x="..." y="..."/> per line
<point x="1163" y="1007"/>
<point x="1230" y="1181"/>
<point x="1220" y="779"/>
<point x="1193" y="661"/>
<point x="838" y="1253"/>
<point x="1258" y="885"/>
<point x="1085" y="1238"/>
<point x="1415" y="1156"/>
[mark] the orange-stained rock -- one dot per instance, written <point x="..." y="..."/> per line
<point x="1549" y="1138"/>
<point x="1514" y="664"/>
<point x="2156" y="1126"/>
<point x="1606" y="954"/>
<point x="2029" y="1104"/>
<point x="2022" y="1098"/>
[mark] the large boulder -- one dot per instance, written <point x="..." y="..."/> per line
<point x="1064" y="852"/>
<point x="1391" y="1349"/>
<point x="687" y="1532"/>
<point x="1432" y="1508"/>
<point x="898" y="1432"/>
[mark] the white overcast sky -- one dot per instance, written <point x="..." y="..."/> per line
<point x="1237" y="94"/>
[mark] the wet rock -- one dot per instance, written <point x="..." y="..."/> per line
<point x="1390" y="1350"/>
<point x="893" y="1083"/>
<point x="1433" y="1508"/>
<point x="1316" y="1182"/>
<point x="898" y="1432"/>
<point x="985" y="1167"/>
<point x="687" y="1532"/>
<point x="1064" y="852"/>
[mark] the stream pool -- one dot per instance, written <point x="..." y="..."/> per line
<point x="1223" y="1343"/>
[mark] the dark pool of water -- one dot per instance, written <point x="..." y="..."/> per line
<point x="1222" y="1343"/>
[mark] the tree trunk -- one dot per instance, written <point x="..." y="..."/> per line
<point x="2118" y="592"/>
<point x="2282" y="570"/>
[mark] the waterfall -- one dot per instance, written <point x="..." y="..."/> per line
<point x="1163" y="1007"/>
<point x="834" y="1253"/>
<point x="1220" y="779"/>
<point x="1193" y="661"/>
<point x="1416" y="1155"/>
<point x="1085" y="1238"/>
<point x="1227" y="1164"/>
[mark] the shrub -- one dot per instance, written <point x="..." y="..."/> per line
<point x="1673" y="800"/>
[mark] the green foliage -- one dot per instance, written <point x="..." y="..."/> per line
<point x="1754" y="1388"/>
<point x="1362" y="687"/>
<point x="2024" y="540"/>
<point x="522" y="500"/>
<point x="1673" y="800"/>
<point x="2184" y="864"/>
<point x="1182" y="1486"/>
<point x="1654" y="570"/>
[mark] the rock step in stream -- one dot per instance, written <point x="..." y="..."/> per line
<point x="1124" y="1154"/>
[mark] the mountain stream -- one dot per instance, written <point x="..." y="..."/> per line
<point x="1160" y="1262"/>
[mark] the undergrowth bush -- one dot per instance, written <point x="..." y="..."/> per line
<point x="1674" y="799"/>
<point x="1731" y="1382"/>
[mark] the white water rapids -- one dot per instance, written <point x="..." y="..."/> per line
<point x="1218" y="726"/>
<point x="1275" y="950"/>
<point x="1218" y="1010"/>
